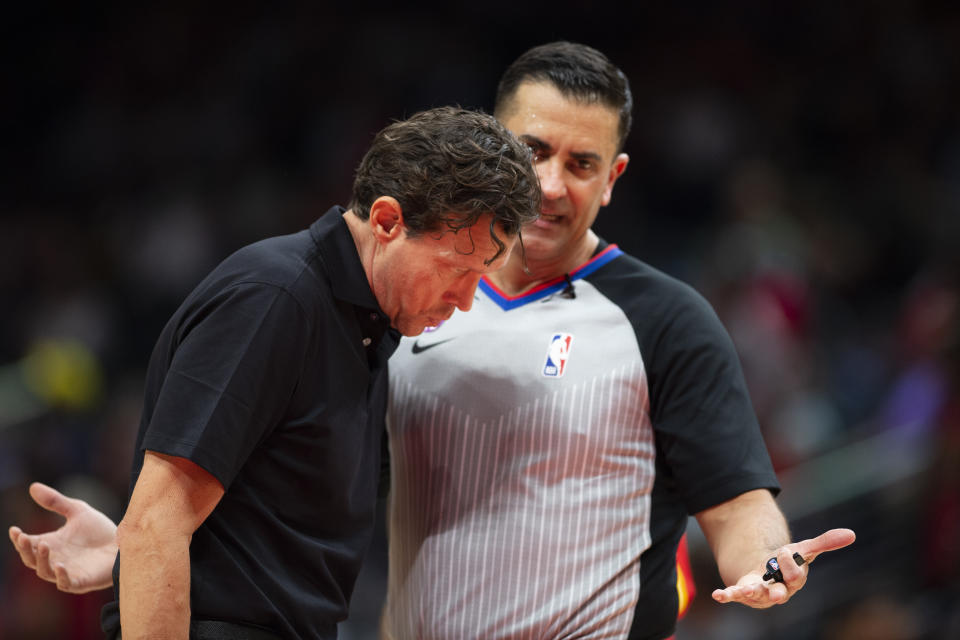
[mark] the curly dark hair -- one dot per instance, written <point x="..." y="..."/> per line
<point x="447" y="167"/>
<point x="577" y="71"/>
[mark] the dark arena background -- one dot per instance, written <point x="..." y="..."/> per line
<point x="799" y="165"/>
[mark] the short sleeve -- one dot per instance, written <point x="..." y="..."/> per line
<point x="236" y="361"/>
<point x="706" y="429"/>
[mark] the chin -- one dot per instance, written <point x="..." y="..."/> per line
<point x="540" y="243"/>
<point x="411" y="328"/>
<point x="411" y="331"/>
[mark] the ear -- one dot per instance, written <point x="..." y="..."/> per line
<point x="616" y="170"/>
<point x="386" y="219"/>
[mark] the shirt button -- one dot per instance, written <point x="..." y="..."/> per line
<point x="366" y="342"/>
<point x="374" y="316"/>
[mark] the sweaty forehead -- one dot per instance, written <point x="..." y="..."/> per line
<point x="475" y="247"/>
<point x="470" y="247"/>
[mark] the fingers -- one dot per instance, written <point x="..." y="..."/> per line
<point x="34" y="554"/>
<point x="734" y="594"/>
<point x="51" y="499"/>
<point x="43" y="568"/>
<point x="14" y="533"/>
<point x="24" y="546"/>
<point x="758" y="595"/>
<point x="63" y="580"/>
<point x="828" y="541"/>
<point x="794" y="575"/>
<point x="752" y="591"/>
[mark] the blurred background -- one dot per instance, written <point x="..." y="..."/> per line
<point x="799" y="165"/>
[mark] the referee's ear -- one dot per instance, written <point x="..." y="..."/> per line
<point x="616" y="170"/>
<point x="386" y="219"/>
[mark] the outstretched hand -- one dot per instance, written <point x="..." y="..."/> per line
<point x="78" y="556"/>
<point x="751" y="589"/>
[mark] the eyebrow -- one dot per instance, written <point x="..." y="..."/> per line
<point x="541" y="145"/>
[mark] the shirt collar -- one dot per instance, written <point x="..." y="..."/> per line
<point x="348" y="281"/>
<point x="339" y="253"/>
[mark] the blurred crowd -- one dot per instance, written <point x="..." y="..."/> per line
<point x="800" y="166"/>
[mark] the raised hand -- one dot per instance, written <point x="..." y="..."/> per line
<point x="753" y="591"/>
<point x="78" y="556"/>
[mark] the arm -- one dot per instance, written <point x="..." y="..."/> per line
<point x="744" y="533"/>
<point x="78" y="556"/>
<point x="172" y="497"/>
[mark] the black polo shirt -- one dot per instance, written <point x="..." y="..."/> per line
<point x="272" y="376"/>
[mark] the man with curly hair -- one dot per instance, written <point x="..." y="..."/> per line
<point x="257" y="460"/>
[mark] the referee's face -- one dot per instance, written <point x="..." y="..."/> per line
<point x="575" y="150"/>
<point x="420" y="280"/>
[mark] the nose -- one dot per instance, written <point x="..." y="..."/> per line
<point x="550" y="172"/>
<point x="461" y="293"/>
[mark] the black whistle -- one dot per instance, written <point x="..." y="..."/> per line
<point x="773" y="568"/>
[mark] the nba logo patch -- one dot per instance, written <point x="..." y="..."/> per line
<point x="558" y="351"/>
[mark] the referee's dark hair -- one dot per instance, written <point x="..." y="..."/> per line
<point x="447" y="167"/>
<point x="577" y="71"/>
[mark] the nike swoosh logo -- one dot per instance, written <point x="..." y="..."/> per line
<point x="420" y="349"/>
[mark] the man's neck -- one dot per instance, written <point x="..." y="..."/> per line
<point x="516" y="278"/>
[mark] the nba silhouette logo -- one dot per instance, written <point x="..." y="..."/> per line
<point x="557" y="353"/>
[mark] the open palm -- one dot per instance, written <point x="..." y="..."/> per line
<point x="753" y="591"/>
<point x="78" y="556"/>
